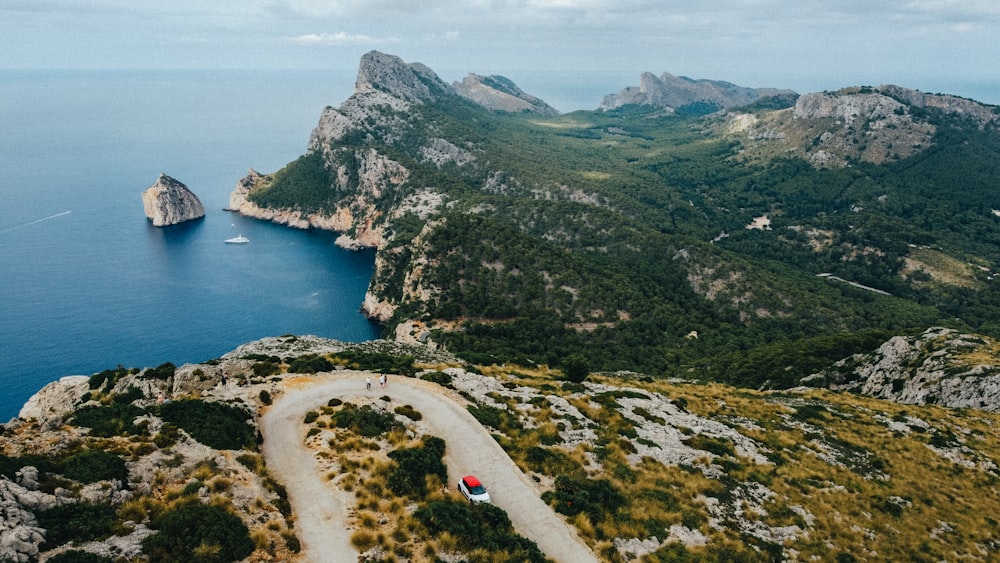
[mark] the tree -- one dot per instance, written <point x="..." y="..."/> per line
<point x="575" y="368"/>
<point x="198" y="532"/>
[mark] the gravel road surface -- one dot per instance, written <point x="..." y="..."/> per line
<point x="321" y="509"/>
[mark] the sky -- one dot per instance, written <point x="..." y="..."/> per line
<point x="950" y="46"/>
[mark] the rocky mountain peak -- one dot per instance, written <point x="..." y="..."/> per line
<point x="413" y="82"/>
<point x="675" y="92"/>
<point x="168" y="202"/>
<point x="500" y="93"/>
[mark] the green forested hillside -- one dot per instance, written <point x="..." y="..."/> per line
<point x="622" y="237"/>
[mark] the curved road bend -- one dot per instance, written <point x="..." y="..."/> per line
<point x="321" y="509"/>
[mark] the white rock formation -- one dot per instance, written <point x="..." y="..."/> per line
<point x="168" y="202"/>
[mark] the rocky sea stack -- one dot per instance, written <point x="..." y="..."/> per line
<point x="169" y="202"/>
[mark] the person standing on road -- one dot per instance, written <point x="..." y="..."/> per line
<point x="368" y="383"/>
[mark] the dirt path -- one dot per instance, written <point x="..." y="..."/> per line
<point x="321" y="508"/>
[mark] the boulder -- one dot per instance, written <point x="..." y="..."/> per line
<point x="169" y="202"/>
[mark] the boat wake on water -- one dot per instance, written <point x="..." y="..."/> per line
<point x="29" y="223"/>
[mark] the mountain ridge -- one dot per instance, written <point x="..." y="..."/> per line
<point x="679" y="92"/>
<point x="445" y="189"/>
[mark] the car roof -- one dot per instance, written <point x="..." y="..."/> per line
<point x="471" y="481"/>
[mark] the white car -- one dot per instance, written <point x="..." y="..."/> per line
<point x="472" y="489"/>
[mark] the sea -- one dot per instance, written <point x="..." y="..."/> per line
<point x="88" y="284"/>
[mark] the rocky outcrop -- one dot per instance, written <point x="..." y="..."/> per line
<point x="55" y="398"/>
<point x="169" y="202"/>
<point x="676" y="92"/>
<point x="413" y="82"/>
<point x="364" y="233"/>
<point x="369" y="187"/>
<point x="829" y="129"/>
<point x="847" y="106"/>
<point x="982" y="114"/>
<point x="499" y="93"/>
<point x="941" y="366"/>
<point x="20" y="536"/>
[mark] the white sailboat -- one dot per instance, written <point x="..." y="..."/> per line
<point x="238" y="240"/>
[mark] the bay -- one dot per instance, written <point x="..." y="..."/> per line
<point x="87" y="283"/>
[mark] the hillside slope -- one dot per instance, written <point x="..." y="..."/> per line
<point x="641" y="468"/>
<point x="660" y="243"/>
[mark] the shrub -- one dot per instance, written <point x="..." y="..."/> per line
<point x="265" y="368"/>
<point x="265" y="397"/>
<point x="365" y="420"/>
<point x="116" y="419"/>
<point x="575" y="368"/>
<point x="162" y="371"/>
<point x="408" y="475"/>
<point x="715" y="445"/>
<point x="9" y="466"/>
<point x="409" y="412"/>
<point x="481" y="526"/>
<point x="90" y="466"/>
<point x="597" y="498"/>
<point x="76" y="522"/>
<point x="198" y="532"/>
<point x="309" y="363"/>
<point x="441" y="378"/>
<point x="77" y="556"/>
<point x="549" y="461"/>
<point x="488" y="416"/>
<point x="133" y="393"/>
<point x="216" y="425"/>
<point x="377" y="362"/>
<point x="106" y="379"/>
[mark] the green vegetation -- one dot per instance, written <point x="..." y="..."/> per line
<point x="376" y="361"/>
<point x="408" y="477"/>
<point x="90" y="466"/>
<point x="198" y="532"/>
<point x="363" y="420"/>
<point x="77" y="556"/>
<point x="616" y="236"/>
<point x="116" y="419"/>
<point x="77" y="522"/>
<point x="481" y="526"/>
<point x="216" y="425"/>
<point x="310" y="363"/>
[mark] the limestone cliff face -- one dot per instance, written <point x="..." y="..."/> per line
<point x="674" y="92"/>
<point x="169" y="202"/>
<point x="829" y="129"/>
<point x="369" y="188"/>
<point x="940" y="366"/>
<point x="499" y="93"/>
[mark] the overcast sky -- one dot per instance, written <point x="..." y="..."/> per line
<point x="807" y="45"/>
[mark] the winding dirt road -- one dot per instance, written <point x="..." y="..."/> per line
<point x="321" y="509"/>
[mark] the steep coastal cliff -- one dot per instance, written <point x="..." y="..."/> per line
<point x="169" y="202"/>
<point x="498" y="230"/>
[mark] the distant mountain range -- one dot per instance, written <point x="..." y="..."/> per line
<point x="680" y="93"/>
<point x="686" y="233"/>
<point x="671" y="231"/>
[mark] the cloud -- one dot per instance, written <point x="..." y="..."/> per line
<point x="339" y="38"/>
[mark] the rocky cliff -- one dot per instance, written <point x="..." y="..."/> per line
<point x="829" y="129"/>
<point x="499" y="93"/>
<point x="169" y="202"/>
<point x="713" y="462"/>
<point x="940" y="366"/>
<point x="387" y="96"/>
<point x="675" y="92"/>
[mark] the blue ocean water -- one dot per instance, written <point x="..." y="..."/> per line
<point x="87" y="283"/>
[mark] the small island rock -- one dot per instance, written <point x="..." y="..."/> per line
<point x="169" y="202"/>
